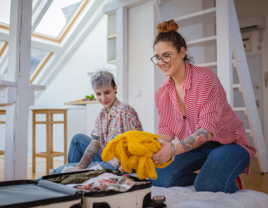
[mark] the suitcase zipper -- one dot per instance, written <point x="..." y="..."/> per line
<point x="81" y="203"/>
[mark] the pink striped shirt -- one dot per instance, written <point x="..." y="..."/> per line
<point x="206" y="107"/>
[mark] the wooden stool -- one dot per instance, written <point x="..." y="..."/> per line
<point x="49" y="154"/>
<point x="2" y="112"/>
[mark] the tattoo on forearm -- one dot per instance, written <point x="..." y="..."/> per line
<point x="195" y="140"/>
<point x="90" y="152"/>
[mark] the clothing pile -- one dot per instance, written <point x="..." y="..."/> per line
<point x="134" y="150"/>
<point x="115" y="183"/>
<point x="78" y="177"/>
<point x="97" y="181"/>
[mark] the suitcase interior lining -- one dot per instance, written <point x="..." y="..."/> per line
<point x="25" y="195"/>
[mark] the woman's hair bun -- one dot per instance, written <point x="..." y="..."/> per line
<point x="168" y="26"/>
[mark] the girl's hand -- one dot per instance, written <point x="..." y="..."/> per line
<point x="79" y="167"/>
<point x="164" y="154"/>
<point x="121" y="170"/>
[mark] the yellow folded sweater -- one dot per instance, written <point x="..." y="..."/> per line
<point x="134" y="150"/>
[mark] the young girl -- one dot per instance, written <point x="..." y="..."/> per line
<point x="193" y="107"/>
<point x="115" y="118"/>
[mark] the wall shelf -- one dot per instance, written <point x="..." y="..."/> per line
<point x="111" y="36"/>
<point x="112" y="62"/>
<point x="81" y="102"/>
<point x="111" y="39"/>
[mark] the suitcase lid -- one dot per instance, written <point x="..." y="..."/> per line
<point x="29" y="193"/>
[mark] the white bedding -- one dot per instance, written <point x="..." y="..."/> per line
<point x="182" y="197"/>
<point x="187" y="197"/>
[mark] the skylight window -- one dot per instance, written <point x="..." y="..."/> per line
<point x="37" y="56"/>
<point x="5" y="11"/>
<point x="57" y="17"/>
<point x="56" y="22"/>
<point x="3" y="46"/>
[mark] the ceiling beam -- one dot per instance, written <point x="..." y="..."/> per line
<point x="111" y="8"/>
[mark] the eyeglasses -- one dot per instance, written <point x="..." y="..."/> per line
<point x="165" y="57"/>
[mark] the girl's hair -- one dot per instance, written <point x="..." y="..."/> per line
<point x="167" y="32"/>
<point x="102" y="78"/>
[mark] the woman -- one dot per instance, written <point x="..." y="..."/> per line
<point x="115" y="118"/>
<point x="193" y="107"/>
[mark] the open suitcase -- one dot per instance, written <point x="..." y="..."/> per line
<point x="136" y="197"/>
<point x="45" y="194"/>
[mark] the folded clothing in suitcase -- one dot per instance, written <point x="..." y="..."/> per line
<point x="28" y="193"/>
<point x="137" y="196"/>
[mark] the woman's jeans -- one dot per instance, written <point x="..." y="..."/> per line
<point x="77" y="148"/>
<point x="219" y="166"/>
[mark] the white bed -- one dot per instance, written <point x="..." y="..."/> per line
<point x="187" y="197"/>
<point x="182" y="197"/>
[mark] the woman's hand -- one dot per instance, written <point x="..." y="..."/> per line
<point x="164" y="154"/>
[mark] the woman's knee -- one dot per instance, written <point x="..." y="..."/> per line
<point x="199" y="186"/>
<point x="167" y="180"/>
<point x="206" y="185"/>
<point x="203" y="186"/>
<point x="77" y="137"/>
<point x="160" y="182"/>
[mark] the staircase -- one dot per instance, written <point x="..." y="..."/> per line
<point x="229" y="44"/>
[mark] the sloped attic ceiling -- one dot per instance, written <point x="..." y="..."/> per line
<point x="58" y="27"/>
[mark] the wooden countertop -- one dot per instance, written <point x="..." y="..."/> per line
<point x="81" y="102"/>
<point x="2" y="112"/>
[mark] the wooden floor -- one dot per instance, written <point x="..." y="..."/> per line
<point x="30" y="176"/>
<point x="256" y="181"/>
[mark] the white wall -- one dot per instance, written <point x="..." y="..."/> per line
<point x="2" y="132"/>
<point x="140" y="68"/>
<point x="248" y="8"/>
<point x="72" y="83"/>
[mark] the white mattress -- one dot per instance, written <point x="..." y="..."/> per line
<point x="187" y="197"/>
<point x="183" y="197"/>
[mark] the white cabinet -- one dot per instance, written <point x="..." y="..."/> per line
<point x="111" y="42"/>
<point x="82" y="119"/>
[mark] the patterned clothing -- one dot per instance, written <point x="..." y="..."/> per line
<point x="206" y="107"/>
<point x="115" y="183"/>
<point x="123" y="118"/>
